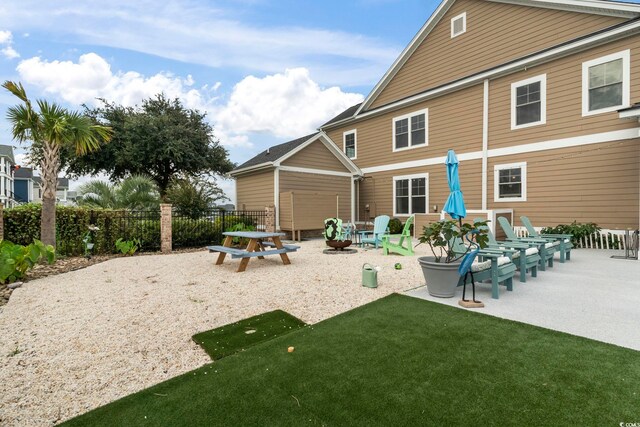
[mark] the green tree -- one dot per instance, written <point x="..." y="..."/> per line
<point x="51" y="129"/>
<point x="161" y="139"/>
<point x="193" y="197"/>
<point x="134" y="193"/>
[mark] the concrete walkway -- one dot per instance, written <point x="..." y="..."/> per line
<point x="592" y="295"/>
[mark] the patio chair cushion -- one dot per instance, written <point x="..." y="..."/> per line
<point x="567" y="240"/>
<point x="551" y="244"/>
<point x="485" y="265"/>
<point x="530" y="251"/>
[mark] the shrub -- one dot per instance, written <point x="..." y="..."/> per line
<point x="16" y="260"/>
<point x="576" y="229"/>
<point x="395" y="226"/>
<point x="199" y="232"/>
<point x="128" y="247"/>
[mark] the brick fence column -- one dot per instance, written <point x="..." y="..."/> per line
<point x="270" y="219"/>
<point x="1" y="222"/>
<point x="165" y="228"/>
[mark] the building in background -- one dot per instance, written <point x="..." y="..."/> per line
<point x="7" y="166"/>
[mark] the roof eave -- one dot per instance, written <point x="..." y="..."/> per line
<point x="250" y="169"/>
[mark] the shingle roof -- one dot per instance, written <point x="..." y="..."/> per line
<point x="7" y="151"/>
<point x="272" y="154"/>
<point x="23" y="173"/>
<point x="63" y="182"/>
<point x="633" y="107"/>
<point x="344" y="115"/>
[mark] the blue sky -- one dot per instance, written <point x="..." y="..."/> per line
<point x="265" y="71"/>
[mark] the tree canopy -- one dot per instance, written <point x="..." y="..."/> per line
<point x="133" y="192"/>
<point x="161" y="139"/>
<point x="194" y="197"/>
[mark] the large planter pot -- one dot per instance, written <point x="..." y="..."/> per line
<point x="442" y="278"/>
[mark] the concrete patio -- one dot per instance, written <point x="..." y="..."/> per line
<point x="592" y="295"/>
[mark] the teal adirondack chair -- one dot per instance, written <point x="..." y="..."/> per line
<point x="380" y="225"/>
<point x="525" y="256"/>
<point x="562" y="240"/>
<point x="403" y="246"/>
<point x="546" y="249"/>
<point x="494" y="266"/>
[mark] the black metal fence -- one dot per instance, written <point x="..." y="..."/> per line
<point x="190" y="231"/>
<point x="125" y="225"/>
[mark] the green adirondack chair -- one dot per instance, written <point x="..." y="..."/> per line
<point x="402" y="246"/>
<point x="494" y="266"/>
<point x="545" y="249"/>
<point x="525" y="256"/>
<point x="380" y="225"/>
<point x="563" y="241"/>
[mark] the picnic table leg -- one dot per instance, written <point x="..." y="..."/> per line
<point x="260" y="248"/>
<point x="245" y="261"/>
<point x="284" y="257"/>
<point x="227" y="242"/>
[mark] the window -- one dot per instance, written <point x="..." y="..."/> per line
<point x="349" y="143"/>
<point x="510" y="182"/>
<point x="529" y="102"/>
<point x="410" y="131"/>
<point x="410" y="194"/>
<point x="458" y="24"/>
<point x="605" y="83"/>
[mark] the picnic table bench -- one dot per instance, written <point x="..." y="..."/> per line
<point x="256" y="247"/>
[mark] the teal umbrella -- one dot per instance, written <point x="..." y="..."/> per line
<point x="455" y="202"/>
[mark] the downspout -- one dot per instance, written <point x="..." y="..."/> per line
<point x="276" y="194"/>
<point x="485" y="142"/>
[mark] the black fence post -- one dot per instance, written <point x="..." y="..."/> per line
<point x="223" y="221"/>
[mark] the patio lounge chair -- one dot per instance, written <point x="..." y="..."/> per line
<point x="563" y="240"/>
<point x="380" y="225"/>
<point x="494" y="266"/>
<point x="525" y="256"/>
<point x="403" y="246"/>
<point x="545" y="249"/>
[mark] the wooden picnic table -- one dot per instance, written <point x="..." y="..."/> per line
<point x="257" y="247"/>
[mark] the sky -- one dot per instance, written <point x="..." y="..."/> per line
<point x="265" y="71"/>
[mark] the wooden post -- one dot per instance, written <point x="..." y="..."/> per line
<point x="166" y="244"/>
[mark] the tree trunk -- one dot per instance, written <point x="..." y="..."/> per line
<point x="49" y="166"/>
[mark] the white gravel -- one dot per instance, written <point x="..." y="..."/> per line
<point x="76" y="341"/>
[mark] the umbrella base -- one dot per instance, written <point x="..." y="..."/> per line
<point x="471" y="304"/>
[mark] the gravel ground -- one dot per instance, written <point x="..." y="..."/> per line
<point x="76" y="341"/>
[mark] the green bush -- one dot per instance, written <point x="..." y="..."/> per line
<point x="128" y="247"/>
<point x="199" y="232"/>
<point x="16" y="260"/>
<point x="577" y="229"/>
<point x="395" y="226"/>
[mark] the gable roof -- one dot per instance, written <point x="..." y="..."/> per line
<point x="274" y="153"/>
<point x="23" y="172"/>
<point x="600" y="7"/>
<point x="273" y="156"/>
<point x="7" y="151"/>
<point x="345" y="114"/>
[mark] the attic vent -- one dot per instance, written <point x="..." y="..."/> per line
<point x="268" y="150"/>
<point x="458" y="24"/>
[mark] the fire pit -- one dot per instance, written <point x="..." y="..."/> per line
<point x="339" y="247"/>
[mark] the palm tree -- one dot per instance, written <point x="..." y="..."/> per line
<point x="134" y="192"/>
<point x="49" y="129"/>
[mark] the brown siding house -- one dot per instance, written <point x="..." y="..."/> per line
<point x="539" y="99"/>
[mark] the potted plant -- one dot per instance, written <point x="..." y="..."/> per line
<point x="441" y="270"/>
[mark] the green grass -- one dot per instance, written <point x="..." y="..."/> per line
<point x="399" y="361"/>
<point x="235" y="337"/>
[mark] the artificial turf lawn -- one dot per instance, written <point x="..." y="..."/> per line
<point x="234" y="337"/>
<point x="399" y="361"/>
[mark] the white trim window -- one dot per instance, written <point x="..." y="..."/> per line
<point x="529" y="102"/>
<point x="459" y="24"/>
<point x="349" y="144"/>
<point x="510" y="182"/>
<point x="605" y="83"/>
<point x="411" y="130"/>
<point x="410" y="194"/>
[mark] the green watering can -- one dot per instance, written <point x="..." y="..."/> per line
<point x="369" y="276"/>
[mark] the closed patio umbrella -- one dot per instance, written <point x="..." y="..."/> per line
<point x="455" y="202"/>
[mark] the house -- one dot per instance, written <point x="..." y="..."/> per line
<point x="7" y="167"/>
<point x="28" y="187"/>
<point x="540" y="99"/>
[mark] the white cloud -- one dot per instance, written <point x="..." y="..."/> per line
<point x="286" y="105"/>
<point x="6" y="40"/>
<point x="91" y="78"/>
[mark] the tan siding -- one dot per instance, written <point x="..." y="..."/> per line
<point x="496" y="33"/>
<point x="377" y="188"/>
<point x="254" y="191"/>
<point x="596" y="183"/>
<point x="564" y="100"/>
<point x="455" y="121"/>
<point x="292" y="181"/>
<point x="316" y="156"/>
